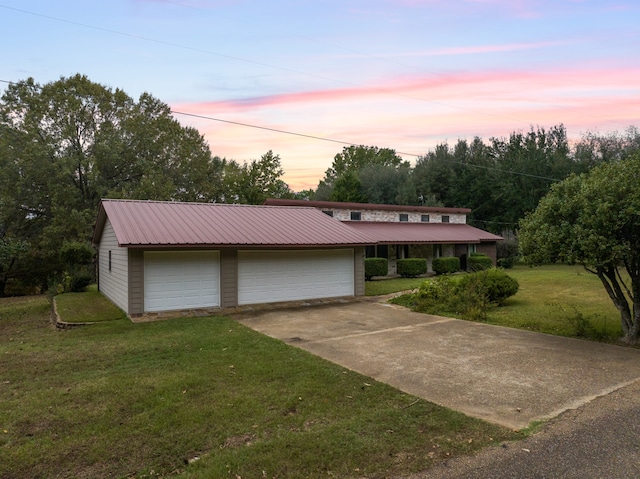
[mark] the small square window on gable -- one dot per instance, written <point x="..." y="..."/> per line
<point x="356" y="216"/>
<point x="404" y="217"/>
<point x="445" y="218"/>
<point x="328" y="213"/>
<point x="424" y="218"/>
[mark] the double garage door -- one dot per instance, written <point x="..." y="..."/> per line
<point x="191" y="279"/>
<point x="272" y="276"/>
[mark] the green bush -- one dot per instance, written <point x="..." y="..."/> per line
<point x="469" y="296"/>
<point x="506" y="263"/>
<point x="508" y="253"/>
<point x="79" y="282"/>
<point x="449" y="264"/>
<point x="478" y="262"/>
<point x="498" y="284"/>
<point x="375" y="267"/>
<point x="411" y="267"/>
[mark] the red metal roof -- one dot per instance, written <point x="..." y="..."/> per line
<point x="157" y="223"/>
<point x="416" y="233"/>
<point x="365" y="206"/>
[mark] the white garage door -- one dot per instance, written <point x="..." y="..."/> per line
<point x="181" y="280"/>
<point x="271" y="276"/>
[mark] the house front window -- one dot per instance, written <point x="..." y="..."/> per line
<point x="445" y="218"/>
<point x="328" y="213"/>
<point x="356" y="216"/>
<point x="424" y="218"/>
<point x="404" y="217"/>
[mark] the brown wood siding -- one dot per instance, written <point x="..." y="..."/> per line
<point x="228" y="278"/>
<point x="136" y="281"/>
<point x="358" y="272"/>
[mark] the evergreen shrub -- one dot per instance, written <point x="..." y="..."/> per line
<point x="375" y="267"/>
<point x="448" y="264"/>
<point x="411" y="267"/>
<point x="479" y="262"/>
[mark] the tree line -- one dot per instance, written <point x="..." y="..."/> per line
<point x="500" y="180"/>
<point x="67" y="144"/>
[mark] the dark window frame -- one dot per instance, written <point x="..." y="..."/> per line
<point x="446" y="218"/>
<point x="356" y="216"/>
<point x="425" y="218"/>
<point x="404" y="217"/>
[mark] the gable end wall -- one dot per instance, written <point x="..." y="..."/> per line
<point x="113" y="284"/>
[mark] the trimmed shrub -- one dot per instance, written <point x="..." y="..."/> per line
<point x="479" y="262"/>
<point x="448" y="264"/>
<point x="375" y="267"/>
<point x="506" y="263"/>
<point x="411" y="267"/>
<point x="498" y="284"/>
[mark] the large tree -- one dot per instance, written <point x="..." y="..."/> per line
<point x="368" y="174"/>
<point x="67" y="144"/>
<point x="255" y="181"/>
<point x="593" y="219"/>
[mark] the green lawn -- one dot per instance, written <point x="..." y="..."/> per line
<point x="562" y="300"/>
<point x="90" y="306"/>
<point x="557" y="299"/>
<point x="116" y="399"/>
<point x="380" y="287"/>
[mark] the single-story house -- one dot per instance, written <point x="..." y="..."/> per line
<point x="400" y="231"/>
<point x="155" y="256"/>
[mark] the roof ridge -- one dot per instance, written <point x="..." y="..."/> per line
<point x="198" y="203"/>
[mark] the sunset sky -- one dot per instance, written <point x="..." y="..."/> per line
<point x="401" y="74"/>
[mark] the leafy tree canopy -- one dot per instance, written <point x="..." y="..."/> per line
<point x="255" y="181"/>
<point x="69" y="143"/>
<point x="593" y="219"/>
<point x="368" y="174"/>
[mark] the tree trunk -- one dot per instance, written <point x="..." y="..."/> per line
<point x="629" y="314"/>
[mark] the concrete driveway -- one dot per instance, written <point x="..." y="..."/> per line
<point x="502" y="375"/>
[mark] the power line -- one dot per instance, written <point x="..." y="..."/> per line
<point x="263" y="64"/>
<point x="276" y="130"/>
<point x="347" y="143"/>
<point x="342" y="142"/>
<point x="414" y="155"/>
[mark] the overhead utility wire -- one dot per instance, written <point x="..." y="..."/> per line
<point x="320" y="138"/>
<point x="254" y="62"/>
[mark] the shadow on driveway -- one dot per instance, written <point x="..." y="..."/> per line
<point x="502" y="375"/>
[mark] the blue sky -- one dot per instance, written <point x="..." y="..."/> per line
<point x="402" y="74"/>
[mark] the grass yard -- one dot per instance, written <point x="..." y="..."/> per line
<point x="556" y="299"/>
<point x="92" y="305"/>
<point x="562" y="300"/>
<point x="201" y="398"/>
<point x="380" y="287"/>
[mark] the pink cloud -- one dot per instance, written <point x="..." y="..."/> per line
<point x="498" y="84"/>
<point x="413" y="113"/>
